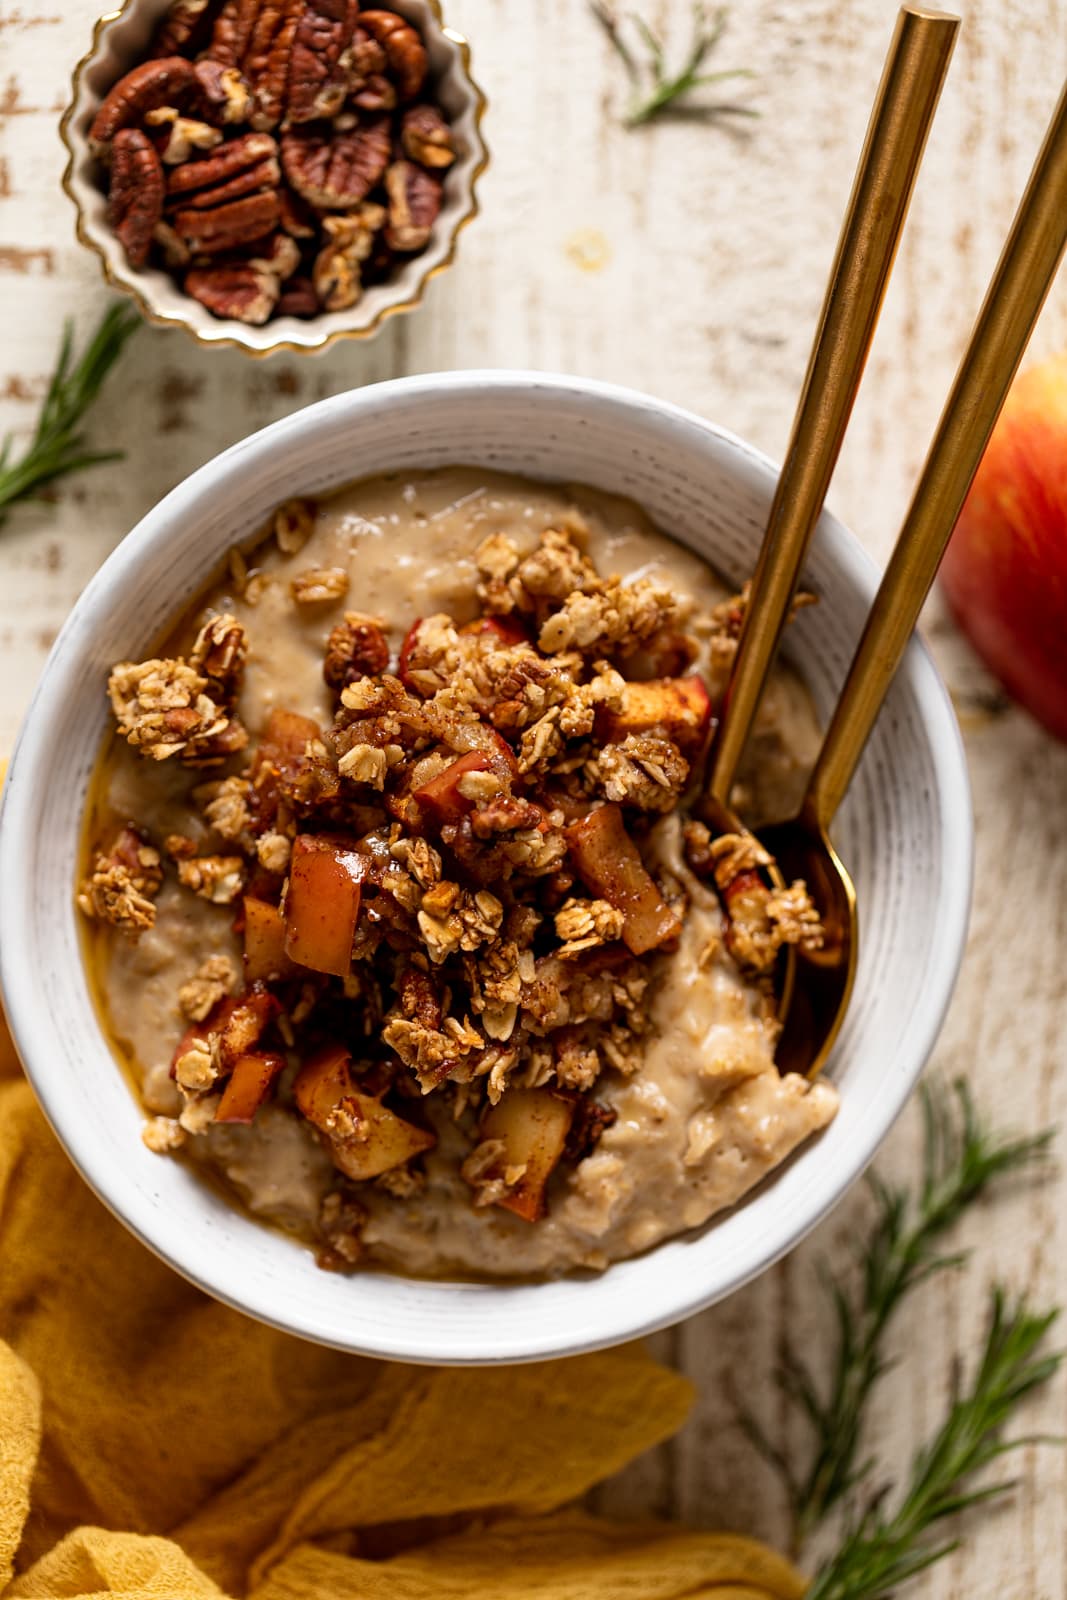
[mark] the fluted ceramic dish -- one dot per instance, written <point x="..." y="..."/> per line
<point x="905" y="831"/>
<point x="119" y="42"/>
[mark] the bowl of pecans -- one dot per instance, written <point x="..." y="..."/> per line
<point x="273" y="176"/>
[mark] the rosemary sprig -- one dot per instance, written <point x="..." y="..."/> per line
<point x="962" y="1158"/>
<point x="882" y="1550"/>
<point x="655" y="88"/>
<point x="57" y="447"/>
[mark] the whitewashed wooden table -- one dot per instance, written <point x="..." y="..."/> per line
<point x="688" y="259"/>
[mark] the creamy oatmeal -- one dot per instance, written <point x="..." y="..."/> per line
<point x="398" y="911"/>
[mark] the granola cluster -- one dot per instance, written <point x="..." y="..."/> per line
<point x="448" y="898"/>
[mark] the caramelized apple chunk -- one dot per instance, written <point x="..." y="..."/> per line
<point x="322" y="900"/>
<point x="364" y="1137"/>
<point x="609" y="864"/>
<point x="523" y="1138"/>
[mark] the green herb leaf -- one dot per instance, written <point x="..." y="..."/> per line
<point x="58" y="446"/>
<point x="961" y="1159"/>
<point x="655" y="88"/>
<point x="881" y="1549"/>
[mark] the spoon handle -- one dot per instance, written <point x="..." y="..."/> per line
<point x="896" y="136"/>
<point x="1013" y="301"/>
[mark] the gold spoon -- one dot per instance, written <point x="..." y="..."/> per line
<point x="802" y="846"/>
<point x="903" y="110"/>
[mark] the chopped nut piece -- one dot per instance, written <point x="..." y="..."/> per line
<point x="319" y="586"/>
<point x="219" y="879"/>
<point x="294" y="523"/>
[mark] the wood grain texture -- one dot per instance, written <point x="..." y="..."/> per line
<point x="688" y="259"/>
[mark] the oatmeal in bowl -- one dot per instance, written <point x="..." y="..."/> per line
<point x="405" y="918"/>
<point x="81" y="996"/>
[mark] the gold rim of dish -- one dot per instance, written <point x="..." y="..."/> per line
<point x="325" y="340"/>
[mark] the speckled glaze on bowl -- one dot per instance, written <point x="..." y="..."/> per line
<point x="119" y="42"/>
<point x="905" y="831"/>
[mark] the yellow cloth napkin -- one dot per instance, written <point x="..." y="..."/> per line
<point x="155" y="1444"/>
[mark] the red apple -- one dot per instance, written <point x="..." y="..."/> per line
<point x="1005" y="572"/>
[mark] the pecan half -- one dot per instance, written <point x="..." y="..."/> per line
<point x="223" y="95"/>
<point x="232" y="32"/>
<point x="414" y="201"/>
<point x="154" y="83"/>
<point x="336" y="170"/>
<point x="404" y="49"/>
<point x="267" y="60"/>
<point x="246" y="164"/>
<point x="318" y="68"/>
<point x="336" y="273"/>
<point x="181" y="24"/>
<point x="135" y="199"/>
<point x="236" y="289"/>
<point x="426" y="137"/>
<point x="227" y="227"/>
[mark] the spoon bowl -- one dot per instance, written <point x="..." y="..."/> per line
<point x="820" y="981"/>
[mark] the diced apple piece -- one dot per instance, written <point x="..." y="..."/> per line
<point x="533" y="1124"/>
<point x="322" y="1083"/>
<point x="264" y="931"/>
<point x="365" y="1137"/>
<point x="249" y="1086"/>
<point x="681" y="706"/>
<point x="322" y="903"/>
<point x="609" y="864"/>
<point x="244" y="1020"/>
<point x="442" y="799"/>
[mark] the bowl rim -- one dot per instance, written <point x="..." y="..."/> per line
<point x="17" y="814"/>
<point x="76" y="147"/>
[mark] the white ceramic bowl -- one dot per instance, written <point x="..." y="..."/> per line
<point x="119" y="42"/>
<point x="905" y="831"/>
